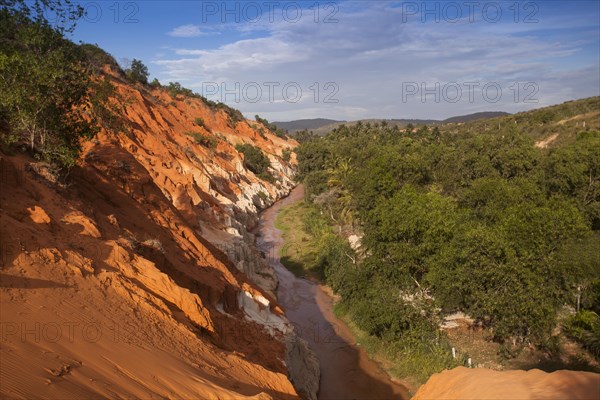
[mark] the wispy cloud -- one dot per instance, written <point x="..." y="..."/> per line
<point x="188" y="30"/>
<point x="370" y="53"/>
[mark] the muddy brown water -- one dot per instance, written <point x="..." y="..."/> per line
<point x="347" y="372"/>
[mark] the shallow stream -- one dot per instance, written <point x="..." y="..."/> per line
<point x="346" y="370"/>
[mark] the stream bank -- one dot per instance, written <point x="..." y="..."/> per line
<point x="346" y="370"/>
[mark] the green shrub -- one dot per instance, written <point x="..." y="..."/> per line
<point x="315" y="184"/>
<point x="234" y="116"/>
<point x="591" y="299"/>
<point x="204" y="140"/>
<point x="48" y="99"/>
<point x="286" y="155"/>
<point x="98" y="58"/>
<point x="272" y="127"/>
<point x="137" y="72"/>
<point x="256" y="161"/>
<point x="175" y="89"/>
<point x="200" y="122"/>
<point x="584" y="327"/>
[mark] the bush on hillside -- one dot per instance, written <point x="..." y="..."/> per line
<point x="200" y="122"/>
<point x="256" y="161"/>
<point x="209" y="142"/>
<point x="48" y="99"/>
<point x="137" y="72"/>
<point x="98" y="58"/>
<point x="279" y="132"/>
<point x="584" y="327"/>
<point x="286" y="155"/>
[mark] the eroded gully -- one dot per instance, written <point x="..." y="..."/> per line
<point x="346" y="370"/>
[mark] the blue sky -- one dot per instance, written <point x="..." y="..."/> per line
<point x="350" y="60"/>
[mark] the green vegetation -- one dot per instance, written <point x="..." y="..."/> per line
<point x="256" y="161"/>
<point x="48" y="97"/>
<point x="155" y="83"/>
<point x="53" y="94"/>
<point x="98" y="58"/>
<point x="175" y="89"/>
<point x="301" y="254"/>
<point x="272" y="127"/>
<point x="311" y="248"/>
<point x="296" y="253"/>
<point x="137" y="72"/>
<point x="262" y="132"/>
<point x="566" y="120"/>
<point x="209" y="142"/>
<point x="234" y="116"/>
<point x="584" y="327"/>
<point x="457" y="218"/>
<point x="286" y="155"/>
<point x="304" y="136"/>
<point x="200" y="122"/>
<point x="415" y="360"/>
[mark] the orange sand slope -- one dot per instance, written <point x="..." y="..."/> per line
<point x="136" y="281"/>
<point x="484" y="384"/>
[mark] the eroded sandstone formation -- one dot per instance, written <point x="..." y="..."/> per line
<point x="140" y="278"/>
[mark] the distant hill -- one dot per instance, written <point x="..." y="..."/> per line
<point x="551" y="126"/>
<point x="475" y="116"/>
<point x="301" y="124"/>
<point x="322" y="126"/>
<point x="324" y="130"/>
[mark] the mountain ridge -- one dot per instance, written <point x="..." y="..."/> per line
<point x="324" y="125"/>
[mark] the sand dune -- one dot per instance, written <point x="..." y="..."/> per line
<point x="481" y="384"/>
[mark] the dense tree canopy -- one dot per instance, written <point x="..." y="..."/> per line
<point x="459" y="218"/>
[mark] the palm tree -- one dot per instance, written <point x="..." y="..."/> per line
<point x="340" y="171"/>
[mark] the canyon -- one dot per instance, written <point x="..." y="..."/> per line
<point x="139" y="278"/>
<point x="153" y="271"/>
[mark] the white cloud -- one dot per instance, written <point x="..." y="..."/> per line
<point x="370" y="53"/>
<point x="188" y="30"/>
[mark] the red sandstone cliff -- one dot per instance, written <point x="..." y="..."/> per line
<point x="139" y="279"/>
